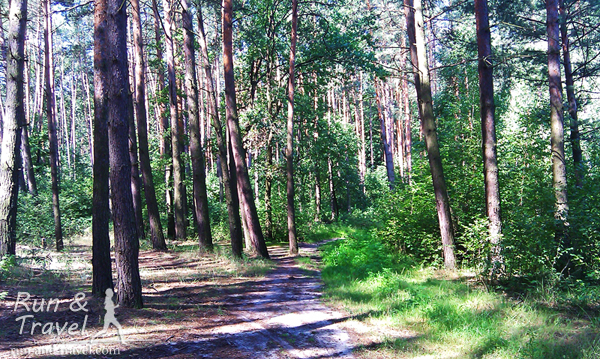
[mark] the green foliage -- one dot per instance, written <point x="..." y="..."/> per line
<point x="444" y="314"/>
<point x="359" y="256"/>
<point x="7" y="263"/>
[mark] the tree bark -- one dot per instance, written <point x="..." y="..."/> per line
<point x="289" y="153"/>
<point x="570" y="83"/>
<point x="407" y="117"/>
<point x="416" y="35"/>
<point x="113" y="88"/>
<point x="14" y="120"/>
<point x="389" y="159"/>
<point x="488" y="133"/>
<point x="135" y="180"/>
<point x="51" y="114"/>
<point x="179" y="192"/>
<point x="197" y="152"/>
<point x="156" y="233"/>
<point x="243" y="180"/>
<point x="163" y="122"/>
<point x="227" y="176"/>
<point x="101" y="262"/>
<point x="268" y="188"/>
<point x="559" y="171"/>
<point x="27" y="164"/>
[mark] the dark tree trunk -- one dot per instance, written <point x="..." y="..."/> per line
<point x="243" y="180"/>
<point x="179" y="195"/>
<point x="101" y="262"/>
<point x="389" y="159"/>
<point x="197" y="152"/>
<point x="14" y="120"/>
<point x="156" y="233"/>
<point x="27" y="164"/>
<point x="289" y="153"/>
<point x="268" y="187"/>
<point x="51" y="114"/>
<point x="574" y="124"/>
<point x="163" y="122"/>
<point x="135" y="180"/>
<point x="488" y="133"/>
<point x="416" y="35"/>
<point x="332" y="198"/>
<point x="559" y="171"/>
<point x="227" y="176"/>
<point x="119" y="111"/>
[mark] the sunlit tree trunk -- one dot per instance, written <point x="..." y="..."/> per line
<point x="51" y="114"/>
<point x="163" y="122"/>
<point x="156" y="233"/>
<point x="14" y="120"/>
<point x="243" y="180"/>
<point x="559" y="171"/>
<point x="101" y="262"/>
<point x="389" y="159"/>
<point x="488" y="133"/>
<point x="179" y="195"/>
<point x="570" y="83"/>
<point x="197" y="152"/>
<point x="289" y="153"/>
<point x="228" y="179"/>
<point x="416" y="35"/>
<point x="406" y="111"/>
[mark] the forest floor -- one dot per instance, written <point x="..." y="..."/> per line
<point x="195" y="307"/>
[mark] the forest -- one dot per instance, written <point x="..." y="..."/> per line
<point x="432" y="166"/>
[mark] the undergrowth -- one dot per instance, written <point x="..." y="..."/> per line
<point x="450" y="314"/>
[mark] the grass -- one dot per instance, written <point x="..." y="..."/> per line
<point x="410" y="312"/>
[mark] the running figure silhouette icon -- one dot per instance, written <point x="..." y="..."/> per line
<point x="109" y="317"/>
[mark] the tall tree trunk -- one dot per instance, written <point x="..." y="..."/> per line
<point x="14" y="120"/>
<point x="197" y="152"/>
<point x="233" y="127"/>
<point x="559" y="171"/>
<point x="361" y="128"/>
<point x="156" y="233"/>
<point x="115" y="78"/>
<point x="488" y="133"/>
<point x="389" y="159"/>
<point x="179" y="195"/>
<point x="268" y="187"/>
<point x="27" y="167"/>
<point x="332" y="196"/>
<point x="163" y="122"/>
<point x="416" y="35"/>
<point x="228" y="177"/>
<point x="574" y="123"/>
<point x="289" y="153"/>
<point x="73" y="115"/>
<point x="136" y="191"/>
<point x="51" y="114"/>
<point x="101" y="262"/>
<point x="406" y="111"/>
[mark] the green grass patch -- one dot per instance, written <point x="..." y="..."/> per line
<point x="447" y="314"/>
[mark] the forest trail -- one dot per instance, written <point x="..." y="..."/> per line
<point x="191" y="312"/>
<point x="283" y="316"/>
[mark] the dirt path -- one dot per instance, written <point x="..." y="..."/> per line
<point x="189" y="314"/>
<point x="283" y="317"/>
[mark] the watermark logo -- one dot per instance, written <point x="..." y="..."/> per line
<point x="109" y="317"/>
<point x="35" y="322"/>
<point x="31" y="326"/>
